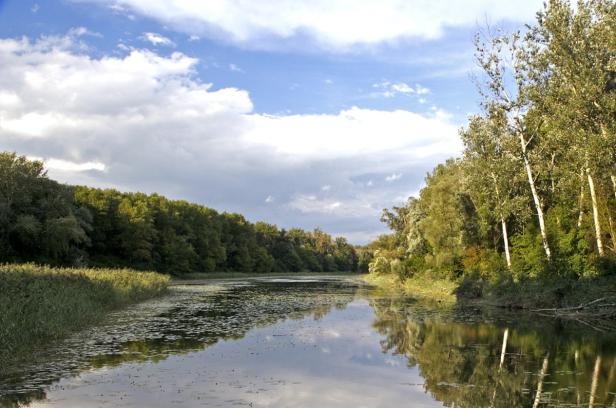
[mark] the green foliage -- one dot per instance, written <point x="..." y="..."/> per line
<point x="43" y="221"/>
<point x="533" y="198"/>
<point x="39" y="218"/>
<point x="40" y="303"/>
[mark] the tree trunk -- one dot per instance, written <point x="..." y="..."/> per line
<point x="612" y="231"/>
<point x="506" y="240"/>
<point x="544" y="369"/>
<point x="581" y="216"/>
<point x="595" y="383"/>
<point x="608" y="383"/>
<point x="577" y="387"/>
<point x="538" y="206"/>
<point x="504" y="348"/>
<point x="595" y="212"/>
<point x="503" y="223"/>
<point x="613" y="177"/>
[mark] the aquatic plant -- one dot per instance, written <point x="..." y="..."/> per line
<point x="39" y="303"/>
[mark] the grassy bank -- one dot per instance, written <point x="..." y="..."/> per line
<point x="579" y="298"/>
<point x="544" y="293"/>
<point x="41" y="303"/>
<point x="419" y="287"/>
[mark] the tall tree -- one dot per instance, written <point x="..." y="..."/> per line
<point x="491" y="172"/>
<point x="505" y="63"/>
<point x="577" y="60"/>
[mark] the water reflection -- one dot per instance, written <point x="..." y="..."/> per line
<point x="191" y="319"/>
<point x="316" y="342"/>
<point x="466" y="362"/>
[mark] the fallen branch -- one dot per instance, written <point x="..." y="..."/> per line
<point x="574" y="308"/>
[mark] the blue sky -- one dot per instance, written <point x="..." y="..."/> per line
<point x="300" y="113"/>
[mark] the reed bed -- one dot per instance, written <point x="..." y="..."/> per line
<point x="40" y="303"/>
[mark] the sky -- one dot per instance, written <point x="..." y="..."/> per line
<point x="300" y="113"/>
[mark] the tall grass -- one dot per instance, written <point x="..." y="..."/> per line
<point x="41" y="303"/>
<point x="423" y="287"/>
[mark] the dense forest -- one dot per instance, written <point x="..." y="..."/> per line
<point x="44" y="221"/>
<point x="534" y="193"/>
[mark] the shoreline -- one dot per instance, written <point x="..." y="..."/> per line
<point x="589" y="301"/>
<point x="41" y="304"/>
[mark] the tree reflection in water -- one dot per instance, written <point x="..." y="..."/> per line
<point x="466" y="357"/>
<point x="478" y="364"/>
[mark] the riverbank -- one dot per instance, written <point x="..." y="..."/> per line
<point x="580" y="298"/>
<point x="433" y="289"/>
<point x="205" y="276"/>
<point x="42" y="303"/>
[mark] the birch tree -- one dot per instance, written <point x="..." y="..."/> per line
<point x="491" y="173"/>
<point x="577" y="49"/>
<point x="505" y="63"/>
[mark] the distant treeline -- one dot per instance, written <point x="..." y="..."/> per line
<point x="534" y="193"/>
<point x="44" y="221"/>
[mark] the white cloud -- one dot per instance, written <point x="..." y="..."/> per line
<point x="351" y="208"/>
<point x="326" y="187"/>
<point x="235" y="68"/>
<point x="157" y="39"/>
<point x="420" y="90"/>
<point x="146" y="122"/>
<point x="393" y="177"/>
<point x="354" y="132"/>
<point x="389" y="90"/>
<point x="337" y="25"/>
<point x="68" y="166"/>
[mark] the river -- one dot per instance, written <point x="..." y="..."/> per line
<point x="306" y="341"/>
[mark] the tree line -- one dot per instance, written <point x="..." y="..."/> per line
<point x="44" y="221"/>
<point x="534" y="193"/>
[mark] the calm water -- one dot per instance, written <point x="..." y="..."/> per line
<point x="316" y="342"/>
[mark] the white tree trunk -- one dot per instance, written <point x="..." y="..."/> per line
<point x="538" y="206"/>
<point x="595" y="212"/>
<point x="503" y="223"/>
<point x="581" y="214"/>
<point x="506" y="240"/>
<point x="595" y="383"/>
<point x="504" y="348"/>
<point x="613" y="177"/>
<point x="544" y="369"/>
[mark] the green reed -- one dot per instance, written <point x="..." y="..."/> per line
<point x="40" y="303"/>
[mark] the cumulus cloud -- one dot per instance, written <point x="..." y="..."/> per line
<point x="389" y="90"/>
<point x="147" y="122"/>
<point x="65" y="165"/>
<point x="393" y="177"/>
<point x="157" y="39"/>
<point x="353" y="132"/>
<point x="366" y="22"/>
